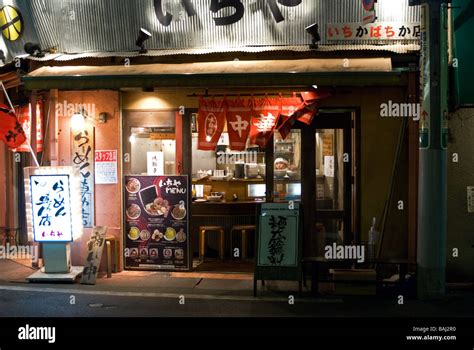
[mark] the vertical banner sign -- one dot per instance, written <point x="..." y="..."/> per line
<point x="51" y="208"/>
<point x="156" y="222"/>
<point x="425" y="79"/>
<point x="83" y="157"/>
<point x="444" y="77"/>
<point x="24" y="117"/>
<point x="211" y="122"/>
<point x="95" y="247"/>
<point x="106" y="167"/>
<point x="266" y="113"/>
<point x="239" y="113"/>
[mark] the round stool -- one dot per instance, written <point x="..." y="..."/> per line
<point x="202" y="240"/>
<point x="243" y="229"/>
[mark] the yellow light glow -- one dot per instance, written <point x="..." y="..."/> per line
<point x="78" y="122"/>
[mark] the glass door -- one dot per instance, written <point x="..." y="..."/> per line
<point x="333" y="217"/>
<point x="327" y="189"/>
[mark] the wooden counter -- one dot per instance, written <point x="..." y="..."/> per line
<point x="225" y="208"/>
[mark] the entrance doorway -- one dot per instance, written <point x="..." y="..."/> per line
<point x="329" y="189"/>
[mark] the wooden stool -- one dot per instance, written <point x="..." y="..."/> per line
<point x="243" y="230"/>
<point x="202" y="240"/>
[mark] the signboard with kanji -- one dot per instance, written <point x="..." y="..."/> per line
<point x="378" y="32"/>
<point x="95" y="247"/>
<point x="278" y="242"/>
<point x="83" y="157"/>
<point x="51" y="208"/>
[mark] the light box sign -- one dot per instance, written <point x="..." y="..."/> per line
<point x="51" y="208"/>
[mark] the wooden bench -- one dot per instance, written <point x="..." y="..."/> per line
<point x="317" y="262"/>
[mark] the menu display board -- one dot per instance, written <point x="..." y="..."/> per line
<point x="156" y="222"/>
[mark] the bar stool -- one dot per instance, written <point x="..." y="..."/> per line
<point x="202" y="240"/>
<point x="243" y="230"/>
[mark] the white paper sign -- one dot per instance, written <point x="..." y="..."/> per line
<point x="106" y="167"/>
<point x="51" y="204"/>
<point x="155" y="163"/>
<point x="470" y="199"/>
<point x="329" y="166"/>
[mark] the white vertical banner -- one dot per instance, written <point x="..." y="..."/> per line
<point x="83" y="157"/>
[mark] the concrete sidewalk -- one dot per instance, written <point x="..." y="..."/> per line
<point x="213" y="294"/>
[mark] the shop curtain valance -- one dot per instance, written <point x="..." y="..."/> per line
<point x="255" y="118"/>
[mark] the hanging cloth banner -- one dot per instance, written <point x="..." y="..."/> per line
<point x="211" y="122"/>
<point x="266" y="112"/>
<point x="289" y="106"/>
<point x="11" y="131"/>
<point x="24" y="116"/>
<point x="239" y="115"/>
<point x="312" y="102"/>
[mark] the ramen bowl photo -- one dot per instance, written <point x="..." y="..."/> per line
<point x="133" y="185"/>
<point x="134" y="211"/>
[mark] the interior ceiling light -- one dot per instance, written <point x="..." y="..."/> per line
<point x="143" y="36"/>
<point x="33" y="49"/>
<point x="313" y="30"/>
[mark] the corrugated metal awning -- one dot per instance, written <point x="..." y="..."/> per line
<point x="64" y="57"/>
<point x="305" y="72"/>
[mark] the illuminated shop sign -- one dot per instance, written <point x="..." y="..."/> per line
<point x="51" y="208"/>
<point x="53" y="204"/>
<point x="234" y="10"/>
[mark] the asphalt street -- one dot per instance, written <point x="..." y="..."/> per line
<point x="54" y="301"/>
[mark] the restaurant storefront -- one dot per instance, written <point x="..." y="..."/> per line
<point x="181" y="188"/>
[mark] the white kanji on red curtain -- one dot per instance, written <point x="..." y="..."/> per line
<point x="211" y="122"/>
<point x="266" y="112"/>
<point x="239" y="114"/>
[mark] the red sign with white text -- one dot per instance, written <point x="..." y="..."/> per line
<point x="24" y="117"/>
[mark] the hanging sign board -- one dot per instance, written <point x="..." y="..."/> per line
<point x="83" y="157"/>
<point x="279" y="242"/>
<point x="156" y="222"/>
<point x="24" y="117"/>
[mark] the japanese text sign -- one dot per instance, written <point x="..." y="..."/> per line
<point x="106" y="167"/>
<point x="83" y="157"/>
<point x="278" y="235"/>
<point x="51" y="208"/>
<point x="379" y="31"/>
